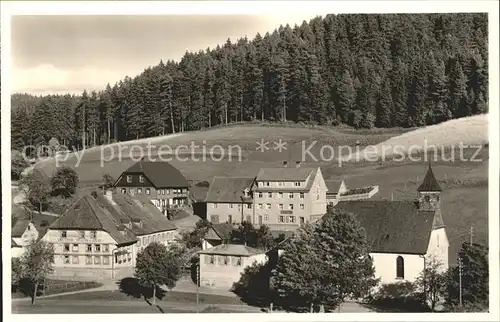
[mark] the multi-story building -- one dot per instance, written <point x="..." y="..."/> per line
<point x="99" y="236"/>
<point x="161" y="182"/>
<point x="285" y="198"/>
<point x="229" y="200"/>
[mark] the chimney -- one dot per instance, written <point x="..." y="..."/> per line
<point x="109" y="196"/>
<point x="285" y="164"/>
<point x="297" y="164"/>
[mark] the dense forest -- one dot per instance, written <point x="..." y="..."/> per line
<point x="382" y="70"/>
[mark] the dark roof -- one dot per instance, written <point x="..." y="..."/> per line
<point x="226" y="189"/>
<point x="430" y="183"/>
<point x="392" y="226"/>
<point x="333" y="186"/>
<point x="124" y="218"/>
<point x="232" y="250"/>
<point x="223" y="230"/>
<point x="161" y="174"/>
<point x="23" y="216"/>
<point x="198" y="194"/>
<point x="284" y="174"/>
<point x="186" y="223"/>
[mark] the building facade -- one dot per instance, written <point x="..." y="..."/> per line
<point x="161" y="182"/>
<point x="99" y="236"/>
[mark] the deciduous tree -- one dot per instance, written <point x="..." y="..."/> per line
<point x="37" y="263"/>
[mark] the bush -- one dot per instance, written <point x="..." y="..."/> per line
<point x="401" y="296"/>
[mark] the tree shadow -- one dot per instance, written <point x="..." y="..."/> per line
<point x="131" y="287"/>
<point x="27" y="288"/>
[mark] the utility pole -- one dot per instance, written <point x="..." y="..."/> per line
<point x="197" y="288"/>
<point x="460" y="279"/>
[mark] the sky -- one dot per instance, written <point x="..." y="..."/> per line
<point x="67" y="54"/>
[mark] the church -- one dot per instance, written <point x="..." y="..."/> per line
<point x="404" y="235"/>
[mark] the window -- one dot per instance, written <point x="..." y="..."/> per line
<point x="166" y="191"/>
<point x="239" y="206"/>
<point x="148" y="191"/>
<point x="66" y="259"/>
<point x="280" y="195"/>
<point x="249" y="219"/>
<point x="281" y="206"/>
<point x="212" y="259"/>
<point x="131" y="190"/>
<point x="93" y="234"/>
<point x="230" y="219"/>
<point x="139" y="190"/>
<point x="75" y="248"/>
<point x="97" y="248"/>
<point x="266" y="217"/>
<point x="230" y="205"/>
<point x="281" y="219"/>
<point x="214" y="205"/>
<point x="260" y="194"/>
<point x="138" y="242"/>
<point x="301" y="195"/>
<point x="141" y="178"/>
<point x="129" y="179"/>
<point x="302" y="206"/>
<point x="88" y="260"/>
<point x="291" y="219"/>
<point x="89" y="248"/>
<point x="66" y="248"/>
<point x="29" y="227"/>
<point x="81" y="233"/>
<point x="64" y="234"/>
<point x="426" y="198"/>
<point x="97" y="260"/>
<point x="268" y="206"/>
<point x="105" y="260"/>
<point x="124" y="190"/>
<point x="290" y="206"/>
<point x="238" y="261"/>
<point x="400" y="267"/>
<point x="266" y="183"/>
<point x="75" y="260"/>
<point x="226" y="260"/>
<point x="290" y="195"/>
<point x="269" y="194"/>
<point x="260" y="206"/>
<point x="249" y="206"/>
<point x="297" y="184"/>
<point x="280" y="184"/>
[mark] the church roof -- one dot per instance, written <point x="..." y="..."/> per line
<point x="392" y="226"/>
<point x="430" y="183"/>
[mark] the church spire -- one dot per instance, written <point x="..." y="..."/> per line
<point x="430" y="183"/>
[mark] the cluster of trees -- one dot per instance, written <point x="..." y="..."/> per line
<point x="40" y="189"/>
<point x="317" y="268"/>
<point x="379" y="70"/>
<point x="33" y="267"/>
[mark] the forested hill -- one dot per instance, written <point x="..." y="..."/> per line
<point x="361" y="70"/>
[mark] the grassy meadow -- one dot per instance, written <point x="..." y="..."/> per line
<point x="464" y="182"/>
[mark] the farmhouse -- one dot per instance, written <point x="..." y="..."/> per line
<point x="222" y="265"/>
<point x="161" y="182"/>
<point x="99" y="236"/>
<point x="403" y="235"/>
<point x="229" y="200"/>
<point x="27" y="227"/>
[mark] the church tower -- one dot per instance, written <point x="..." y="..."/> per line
<point x="429" y="197"/>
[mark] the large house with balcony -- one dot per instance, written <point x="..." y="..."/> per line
<point x="99" y="236"/>
<point x="161" y="182"/>
<point x="285" y="198"/>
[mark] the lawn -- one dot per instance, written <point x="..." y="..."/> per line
<point x="53" y="286"/>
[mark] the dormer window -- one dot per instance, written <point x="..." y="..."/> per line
<point x="245" y="192"/>
<point x="129" y="179"/>
<point x="141" y="178"/>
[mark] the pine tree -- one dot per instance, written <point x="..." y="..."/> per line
<point x="346" y="97"/>
<point x="458" y="90"/>
<point x="385" y="106"/>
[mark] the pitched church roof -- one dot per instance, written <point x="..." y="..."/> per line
<point x="430" y="183"/>
<point x="392" y="226"/>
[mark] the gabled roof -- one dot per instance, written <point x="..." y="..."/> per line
<point x="23" y="216"/>
<point x="392" y="226"/>
<point x="19" y="227"/>
<point x="284" y="174"/>
<point x="333" y="186"/>
<point x="228" y="189"/>
<point x="87" y="214"/>
<point x="222" y="231"/>
<point x="186" y="223"/>
<point x="161" y="174"/>
<point x="312" y="173"/>
<point x="232" y="250"/>
<point x="430" y="183"/>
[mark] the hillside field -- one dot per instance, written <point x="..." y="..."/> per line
<point x="464" y="182"/>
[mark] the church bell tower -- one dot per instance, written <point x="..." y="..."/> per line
<point x="429" y="193"/>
